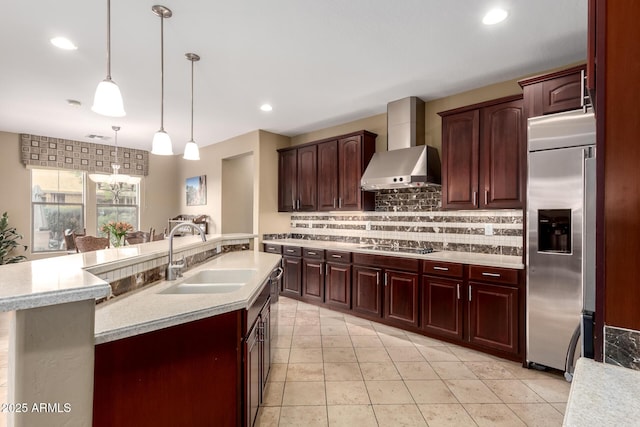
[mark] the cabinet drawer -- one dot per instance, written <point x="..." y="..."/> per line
<point x="292" y="251"/>
<point x="311" y="253"/>
<point x="493" y="274"/>
<point x="338" y="256"/>
<point x="273" y="249"/>
<point x="437" y="268"/>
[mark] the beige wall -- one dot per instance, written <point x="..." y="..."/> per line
<point x="269" y="219"/>
<point x="160" y="193"/>
<point x="237" y="194"/>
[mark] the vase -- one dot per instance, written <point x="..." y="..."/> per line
<point x="118" y="241"/>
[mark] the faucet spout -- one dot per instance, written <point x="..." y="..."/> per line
<point x="174" y="269"/>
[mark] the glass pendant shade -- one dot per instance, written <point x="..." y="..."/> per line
<point x="115" y="179"/>
<point x="108" y="99"/>
<point x="191" y="151"/>
<point x="161" y="144"/>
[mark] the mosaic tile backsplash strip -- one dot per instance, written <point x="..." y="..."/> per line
<point x="43" y="151"/>
<point x="413" y="218"/>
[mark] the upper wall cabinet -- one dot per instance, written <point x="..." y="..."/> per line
<point x="553" y="92"/>
<point x="329" y="179"/>
<point x="484" y="155"/>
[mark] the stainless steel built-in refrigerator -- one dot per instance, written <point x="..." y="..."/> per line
<point x="560" y="239"/>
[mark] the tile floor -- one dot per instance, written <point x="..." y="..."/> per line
<point x="332" y="369"/>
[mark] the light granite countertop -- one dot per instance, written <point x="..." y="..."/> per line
<point x="148" y="309"/>
<point x="69" y="278"/>
<point x="603" y="395"/>
<point x="488" y="260"/>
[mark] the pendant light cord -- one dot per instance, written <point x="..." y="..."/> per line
<point x="108" y="39"/>
<point x="162" y="73"/>
<point x="192" y="100"/>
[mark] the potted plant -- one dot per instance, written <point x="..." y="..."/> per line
<point x="8" y="242"/>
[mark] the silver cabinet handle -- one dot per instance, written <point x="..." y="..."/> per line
<point x="458" y="290"/>
<point x="326" y="269"/>
<point x="293" y="202"/>
<point x="377" y="277"/>
<point x="486" y="197"/>
<point x="475" y="198"/>
<point x="290" y="250"/>
<point x="339" y="202"/>
<point x="334" y="202"/>
<point x="491" y="274"/>
<point x="336" y="256"/>
<point x="298" y="204"/>
<point x="386" y="278"/>
<point x="469" y="292"/>
<point x="441" y="268"/>
<point x="312" y="253"/>
<point x="279" y="275"/>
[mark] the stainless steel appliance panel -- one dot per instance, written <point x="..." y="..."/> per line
<point x="560" y="237"/>
<point x="554" y="291"/>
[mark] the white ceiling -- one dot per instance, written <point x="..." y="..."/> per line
<point x="319" y="63"/>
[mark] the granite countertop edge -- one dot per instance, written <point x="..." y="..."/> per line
<point x="148" y="310"/>
<point x="487" y="260"/>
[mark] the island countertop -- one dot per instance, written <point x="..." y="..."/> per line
<point x="148" y="309"/>
<point x="70" y="278"/>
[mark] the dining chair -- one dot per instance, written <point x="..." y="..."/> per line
<point x="159" y="236"/>
<point x="137" y="237"/>
<point x="91" y="243"/>
<point x="69" y="238"/>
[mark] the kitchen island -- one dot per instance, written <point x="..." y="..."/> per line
<point x="52" y="305"/>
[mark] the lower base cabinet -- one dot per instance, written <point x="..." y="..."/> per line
<point x="257" y="363"/>
<point x="401" y="297"/>
<point x="367" y="291"/>
<point x="493" y="316"/>
<point x="442" y="306"/>
<point x="338" y="285"/>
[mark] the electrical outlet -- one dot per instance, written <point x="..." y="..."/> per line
<point x="488" y="229"/>
<point x="367" y="226"/>
<point x="310" y="225"/>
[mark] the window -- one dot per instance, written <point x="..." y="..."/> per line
<point x="57" y="205"/>
<point x="117" y="202"/>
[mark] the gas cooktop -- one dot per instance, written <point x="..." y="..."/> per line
<point x="390" y="248"/>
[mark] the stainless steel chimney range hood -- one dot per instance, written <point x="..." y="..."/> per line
<point x="408" y="162"/>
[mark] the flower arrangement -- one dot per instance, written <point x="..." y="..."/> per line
<point x="117" y="230"/>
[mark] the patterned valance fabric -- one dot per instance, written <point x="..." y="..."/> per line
<point x="44" y="151"/>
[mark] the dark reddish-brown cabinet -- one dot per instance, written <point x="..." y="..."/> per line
<point x="313" y="274"/>
<point x="401" y="297"/>
<point x="553" y="92"/>
<point x="494" y="308"/>
<point x="367" y="290"/>
<point x="337" y="279"/>
<point x="325" y="175"/>
<point x="484" y="155"/>
<point x="443" y="300"/>
<point x="292" y="277"/>
<point x="297" y="179"/>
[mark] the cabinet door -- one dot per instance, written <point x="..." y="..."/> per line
<point x="401" y="297"/>
<point x="493" y="316"/>
<point x="367" y="292"/>
<point x="460" y="144"/>
<point x="328" y="176"/>
<point x="307" y="178"/>
<point x="313" y="279"/>
<point x="292" y="278"/>
<point x="287" y="180"/>
<point x="562" y="94"/>
<point x="442" y="306"/>
<point x="503" y="155"/>
<point x="252" y="381"/>
<point x="338" y="285"/>
<point x="350" y="173"/>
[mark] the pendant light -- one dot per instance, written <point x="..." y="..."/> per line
<point x="108" y="99"/>
<point x="114" y="181"/>
<point x="161" y="141"/>
<point x="191" y="151"/>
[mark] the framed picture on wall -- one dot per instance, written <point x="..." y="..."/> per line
<point x="197" y="190"/>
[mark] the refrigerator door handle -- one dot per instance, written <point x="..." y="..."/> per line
<point x="569" y="365"/>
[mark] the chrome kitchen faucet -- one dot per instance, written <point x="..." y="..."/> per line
<point x="174" y="270"/>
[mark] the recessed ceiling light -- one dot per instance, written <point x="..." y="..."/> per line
<point x="266" y="107"/>
<point x="494" y="16"/>
<point x="74" y="102"/>
<point x="63" y="43"/>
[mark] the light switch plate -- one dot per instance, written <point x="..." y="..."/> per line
<point x="488" y="229"/>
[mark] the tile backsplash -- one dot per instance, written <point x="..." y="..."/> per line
<point x="414" y="218"/>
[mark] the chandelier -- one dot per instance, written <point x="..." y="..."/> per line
<point x="115" y="182"/>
